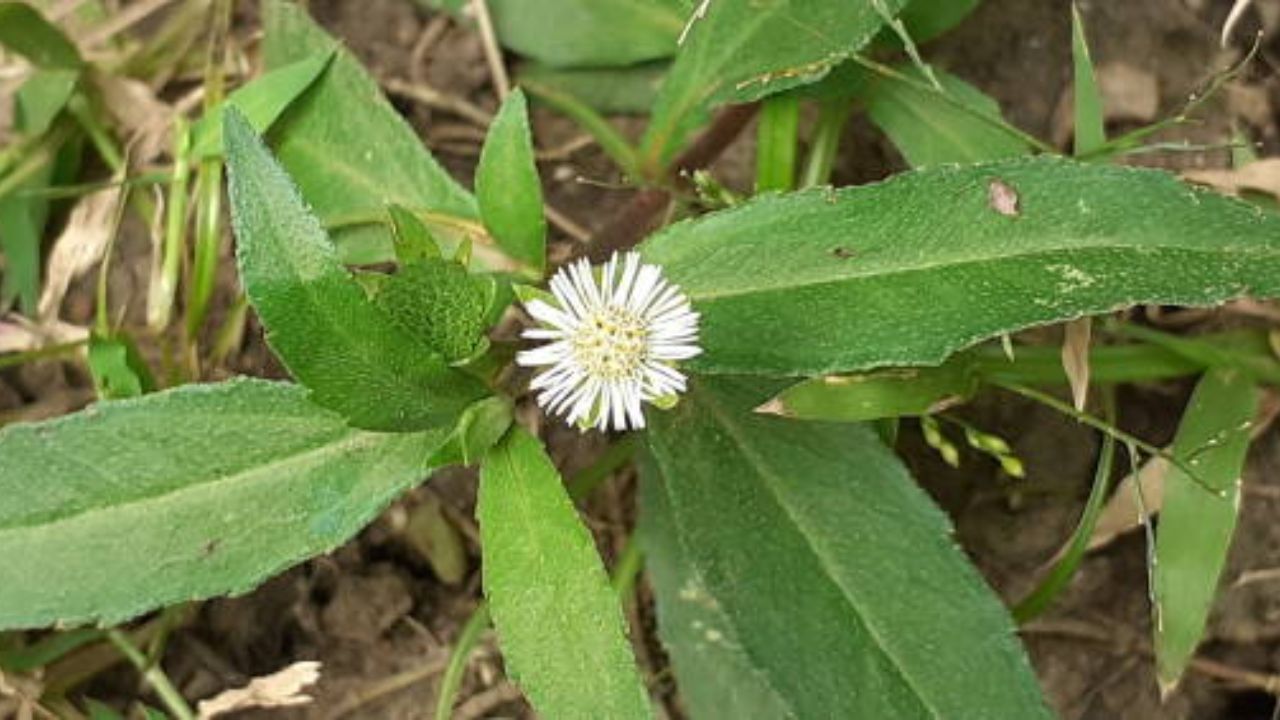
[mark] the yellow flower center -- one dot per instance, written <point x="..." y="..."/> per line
<point x="611" y="344"/>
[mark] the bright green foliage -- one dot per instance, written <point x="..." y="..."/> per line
<point x="742" y="51"/>
<point x="412" y="240"/>
<point x="41" y="98"/>
<point x="348" y="149"/>
<point x="908" y="271"/>
<point x="716" y="675"/>
<point x="878" y="394"/>
<point x="927" y="19"/>
<point x="822" y="574"/>
<point x="21" y="226"/>
<point x="480" y="428"/>
<point x="776" y="136"/>
<point x="1195" y="524"/>
<point x="590" y="33"/>
<point x="439" y="304"/>
<point x="26" y="32"/>
<point x="262" y="101"/>
<point x="353" y="357"/>
<point x="1090" y="130"/>
<point x="508" y="188"/>
<point x="559" y="623"/>
<point x="201" y="491"/>
<point x="22" y="219"/>
<point x="118" y="369"/>
<point x="628" y="90"/>
<point x="931" y="128"/>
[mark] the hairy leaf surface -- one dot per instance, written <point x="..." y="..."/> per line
<point x="186" y="494"/>
<point x="803" y="556"/>
<point x="907" y="271"/>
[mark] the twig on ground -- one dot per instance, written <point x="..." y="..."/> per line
<point x="388" y="685"/>
<point x="128" y="17"/>
<point x="427" y="40"/>
<point x="492" y="53"/>
<point x="640" y="215"/>
<point x="1122" y="642"/>
<point x="479" y="705"/>
<point x="437" y="100"/>
<point x="566" y="224"/>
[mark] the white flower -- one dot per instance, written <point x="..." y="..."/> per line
<point x="615" y="339"/>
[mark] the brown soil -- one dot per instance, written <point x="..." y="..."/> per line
<point x="374" y="612"/>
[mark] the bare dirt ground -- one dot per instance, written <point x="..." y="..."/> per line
<point x="382" y="622"/>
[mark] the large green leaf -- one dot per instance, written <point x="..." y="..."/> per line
<point x="558" y="620"/>
<point x="1195" y="524"/>
<point x="907" y="271"/>
<point x="348" y="149"/>
<point x="353" y="357"/>
<point x="819" y="571"/>
<point x="930" y="126"/>
<point x="590" y="33"/>
<point x="195" y="492"/>
<point x="508" y="188"/>
<point x="740" y="51"/>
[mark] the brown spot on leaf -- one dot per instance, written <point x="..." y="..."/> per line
<point x="842" y="252"/>
<point x="1003" y="198"/>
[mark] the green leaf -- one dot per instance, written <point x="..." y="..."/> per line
<point x="907" y="271"/>
<point x="196" y="492"/>
<point x="439" y="304"/>
<point x="479" y="429"/>
<point x="776" y="136"/>
<point x="1090" y="131"/>
<point x="1195" y="525"/>
<point x="931" y="128"/>
<point x="262" y="101"/>
<point x="590" y="33"/>
<point x="20" y="242"/>
<point x="740" y="51"/>
<point x="353" y="357"/>
<point x="927" y="19"/>
<point x="508" y="188"/>
<point x="558" y="620"/>
<point x="880" y="394"/>
<point x="41" y="98"/>
<point x="349" y="150"/>
<point x="118" y="369"/>
<point x="26" y="32"/>
<point x="629" y="90"/>
<point x="817" y="571"/>
<point x="412" y="240"/>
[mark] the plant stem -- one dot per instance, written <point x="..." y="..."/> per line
<point x="208" y="189"/>
<point x="776" y="136"/>
<point x="833" y="114"/>
<point x="1111" y="430"/>
<point x="1044" y="594"/>
<point x="168" y="261"/>
<point x="611" y="141"/>
<point x="626" y="568"/>
<point x="8" y="361"/>
<point x="153" y="675"/>
<point x="467" y="641"/>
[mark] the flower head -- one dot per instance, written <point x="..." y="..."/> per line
<point x="614" y="339"/>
